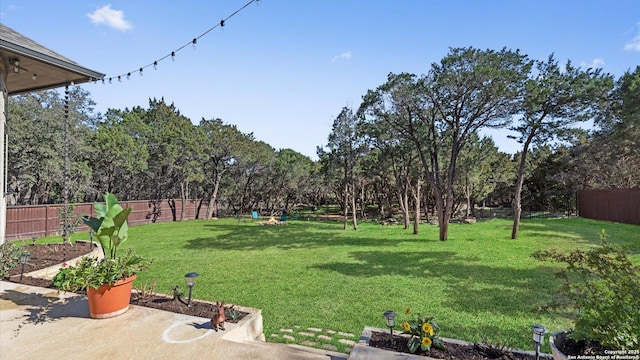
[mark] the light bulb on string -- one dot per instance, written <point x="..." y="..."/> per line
<point x="128" y="76"/>
<point x="173" y="56"/>
<point x="119" y="80"/>
<point x="155" y="65"/>
<point x="140" y="71"/>
<point x="193" y="42"/>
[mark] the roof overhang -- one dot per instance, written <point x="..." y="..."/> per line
<point x="51" y="69"/>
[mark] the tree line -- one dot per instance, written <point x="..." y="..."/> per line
<point x="413" y="146"/>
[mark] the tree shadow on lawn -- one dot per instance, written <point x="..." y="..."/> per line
<point x="285" y="237"/>
<point x="470" y="287"/>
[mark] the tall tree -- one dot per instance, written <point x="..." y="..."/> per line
<point x="345" y="147"/>
<point x="468" y="90"/>
<point x="118" y="154"/>
<point x="35" y="150"/>
<point x="554" y="100"/>
<point x="223" y="141"/>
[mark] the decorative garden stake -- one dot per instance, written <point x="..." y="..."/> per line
<point x="33" y="240"/>
<point x="24" y="259"/>
<point x="538" y="337"/>
<point x="390" y="315"/>
<point x="191" y="280"/>
<point x="90" y="239"/>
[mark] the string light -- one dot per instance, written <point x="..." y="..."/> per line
<point x="193" y="42"/>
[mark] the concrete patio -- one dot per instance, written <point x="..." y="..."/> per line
<point x="40" y="323"/>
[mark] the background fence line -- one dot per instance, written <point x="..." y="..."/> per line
<point x="619" y="205"/>
<point x="27" y="221"/>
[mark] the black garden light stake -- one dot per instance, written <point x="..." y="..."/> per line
<point x="33" y="240"/>
<point x="390" y="315"/>
<point x="90" y="239"/>
<point x="538" y="337"/>
<point x="24" y="259"/>
<point x="191" y="280"/>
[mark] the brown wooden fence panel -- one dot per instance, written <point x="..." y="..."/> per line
<point x="619" y="205"/>
<point x="24" y="222"/>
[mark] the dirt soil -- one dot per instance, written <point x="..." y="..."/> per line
<point x="452" y="352"/>
<point x="45" y="255"/>
<point x="569" y="346"/>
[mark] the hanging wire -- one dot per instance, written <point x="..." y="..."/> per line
<point x="173" y="53"/>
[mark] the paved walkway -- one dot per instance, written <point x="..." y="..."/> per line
<point x="40" y="323"/>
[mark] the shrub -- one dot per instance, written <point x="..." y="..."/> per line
<point x="604" y="287"/>
<point x="9" y="258"/>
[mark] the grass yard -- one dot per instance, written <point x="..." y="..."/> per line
<point x="314" y="274"/>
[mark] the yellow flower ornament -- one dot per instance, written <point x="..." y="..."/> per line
<point x="426" y="341"/>
<point x="427" y="328"/>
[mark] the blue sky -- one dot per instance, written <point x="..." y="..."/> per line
<point x="283" y="69"/>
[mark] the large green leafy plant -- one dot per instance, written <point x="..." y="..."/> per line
<point x="111" y="230"/>
<point x="109" y="224"/>
<point x="603" y="287"/>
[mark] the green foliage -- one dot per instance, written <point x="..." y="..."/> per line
<point x="9" y="258"/>
<point x="111" y="230"/>
<point x="424" y="333"/>
<point x="110" y="225"/>
<point x="94" y="272"/>
<point x="604" y="287"/>
<point x="68" y="223"/>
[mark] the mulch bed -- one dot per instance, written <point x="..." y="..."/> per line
<point x="452" y="352"/>
<point x="45" y="255"/>
<point x="569" y="346"/>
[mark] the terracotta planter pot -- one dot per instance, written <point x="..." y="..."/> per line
<point x="557" y="354"/>
<point x="109" y="301"/>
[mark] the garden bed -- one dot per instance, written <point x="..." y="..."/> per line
<point x="380" y="340"/>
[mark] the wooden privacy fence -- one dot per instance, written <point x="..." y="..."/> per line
<point x="619" y="205"/>
<point x="24" y="222"/>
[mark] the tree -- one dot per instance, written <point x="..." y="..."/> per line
<point x="345" y="147"/>
<point x="175" y="152"/>
<point x="119" y="155"/>
<point x="35" y="148"/>
<point x="468" y="90"/>
<point x="553" y="101"/>
<point x="223" y="141"/>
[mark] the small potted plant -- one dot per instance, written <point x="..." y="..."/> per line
<point x="108" y="281"/>
<point x="602" y="286"/>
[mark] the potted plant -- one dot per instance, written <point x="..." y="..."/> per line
<point x="602" y="286"/>
<point x="108" y="281"/>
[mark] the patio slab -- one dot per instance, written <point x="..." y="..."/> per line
<point x="40" y="323"/>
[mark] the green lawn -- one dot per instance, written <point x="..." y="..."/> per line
<point x="314" y="274"/>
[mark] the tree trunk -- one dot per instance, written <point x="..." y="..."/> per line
<point x="416" y="199"/>
<point x="183" y="197"/>
<point x="517" y="208"/>
<point x="172" y="206"/>
<point x="212" y="208"/>
<point x="345" y="207"/>
<point x="353" y="206"/>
